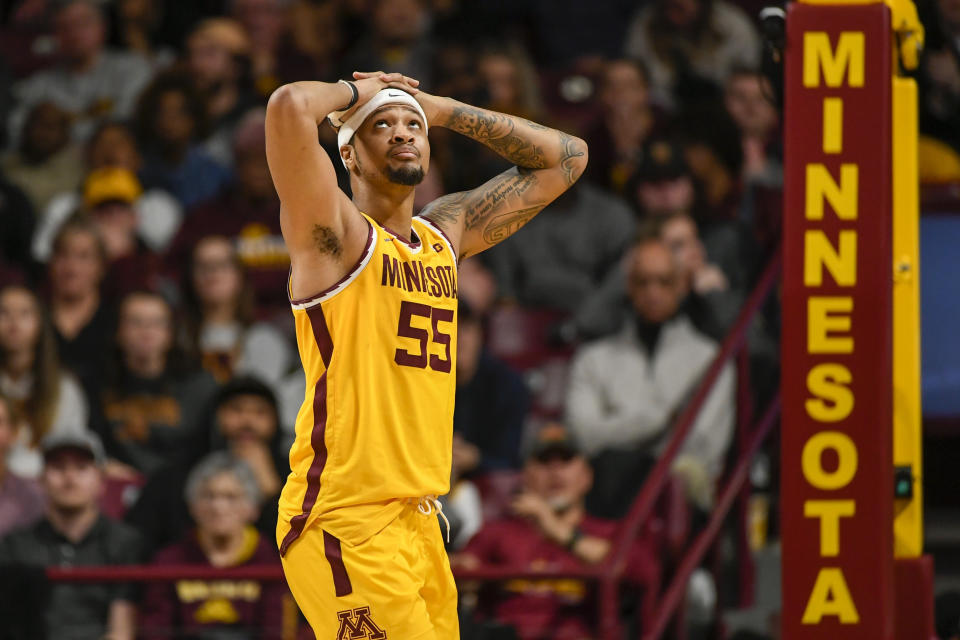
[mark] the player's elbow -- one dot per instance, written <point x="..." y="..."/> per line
<point x="285" y="100"/>
<point x="576" y="154"/>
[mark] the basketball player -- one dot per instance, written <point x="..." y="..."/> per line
<point x="374" y="296"/>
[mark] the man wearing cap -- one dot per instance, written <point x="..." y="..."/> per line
<point x="75" y="533"/>
<point x="374" y="296"/>
<point x="549" y="528"/>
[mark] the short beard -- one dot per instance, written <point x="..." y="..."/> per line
<point x="405" y="175"/>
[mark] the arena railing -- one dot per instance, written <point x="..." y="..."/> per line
<point x="608" y="576"/>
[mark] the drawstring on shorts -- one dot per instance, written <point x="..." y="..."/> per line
<point x="428" y="504"/>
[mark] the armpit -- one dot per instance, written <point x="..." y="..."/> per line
<point x="326" y="241"/>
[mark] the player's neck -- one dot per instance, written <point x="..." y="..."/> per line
<point x="391" y="208"/>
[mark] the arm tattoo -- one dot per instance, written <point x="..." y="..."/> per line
<point x="568" y="162"/>
<point x="494" y="195"/>
<point x="496" y="131"/>
<point x="497" y="209"/>
<point x="505" y="225"/>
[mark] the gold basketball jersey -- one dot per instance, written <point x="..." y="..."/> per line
<point x="379" y="354"/>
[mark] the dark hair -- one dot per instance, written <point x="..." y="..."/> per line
<point x="710" y="125"/>
<point x="107" y="125"/>
<point x="173" y="81"/>
<point x="80" y="223"/>
<point x="650" y="230"/>
<point x="177" y="361"/>
<point x="663" y="33"/>
<point x="192" y="305"/>
<point x="41" y="404"/>
<point x="638" y="64"/>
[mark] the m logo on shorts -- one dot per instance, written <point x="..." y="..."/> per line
<point x="357" y="623"/>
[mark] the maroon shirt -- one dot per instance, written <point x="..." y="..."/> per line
<point x="254" y="228"/>
<point x="249" y="609"/>
<point x="555" y="609"/>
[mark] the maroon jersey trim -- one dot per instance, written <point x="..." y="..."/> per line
<point x="354" y="272"/>
<point x="321" y="334"/>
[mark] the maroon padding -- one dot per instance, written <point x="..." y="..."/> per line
<point x="341" y="581"/>
<point x="913" y="593"/>
<point x="321" y="334"/>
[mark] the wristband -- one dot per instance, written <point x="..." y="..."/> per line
<point x="575" y="537"/>
<point x="356" y="95"/>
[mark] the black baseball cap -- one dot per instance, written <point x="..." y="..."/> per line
<point x="661" y="160"/>
<point x="245" y="386"/>
<point x="552" y="439"/>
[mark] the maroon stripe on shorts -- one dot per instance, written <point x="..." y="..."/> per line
<point x="321" y="334"/>
<point x="331" y="549"/>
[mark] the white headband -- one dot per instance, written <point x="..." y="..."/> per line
<point x="381" y="98"/>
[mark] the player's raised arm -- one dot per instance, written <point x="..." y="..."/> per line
<point x="320" y="226"/>
<point x="547" y="162"/>
<point x="302" y="172"/>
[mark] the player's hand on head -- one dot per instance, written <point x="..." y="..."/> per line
<point x="396" y="80"/>
<point x="369" y="83"/>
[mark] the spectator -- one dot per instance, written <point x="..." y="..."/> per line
<point x="713" y="152"/>
<point x="625" y="390"/>
<point x="113" y="146"/>
<point x="171" y="121"/>
<point x="17" y="221"/>
<point x="600" y="28"/>
<point x="566" y="252"/>
<point x="46" y="163"/>
<point x="661" y="184"/>
<point x="47" y="397"/>
<point x="511" y="81"/>
<point x="74" y="534"/>
<point x="398" y="40"/>
<point x="626" y="121"/>
<point x="21" y="501"/>
<point x="748" y="99"/>
<point x="135" y="27"/>
<point x="224" y="499"/>
<point x="711" y="301"/>
<point x="476" y="286"/>
<point x="109" y="196"/>
<point x="691" y="46"/>
<point x="218" y="58"/>
<point x="153" y="403"/>
<point x="91" y="82"/>
<point x="265" y="22"/>
<point x="247" y="213"/>
<point x="550" y="528"/>
<point x="312" y="47"/>
<point x="245" y="423"/>
<point x="939" y="72"/>
<point x="491" y="403"/>
<point x="82" y="324"/>
<point x="220" y="328"/>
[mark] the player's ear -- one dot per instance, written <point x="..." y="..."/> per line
<point x="346" y="153"/>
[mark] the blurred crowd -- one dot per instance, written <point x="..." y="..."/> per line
<point x="149" y="379"/>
